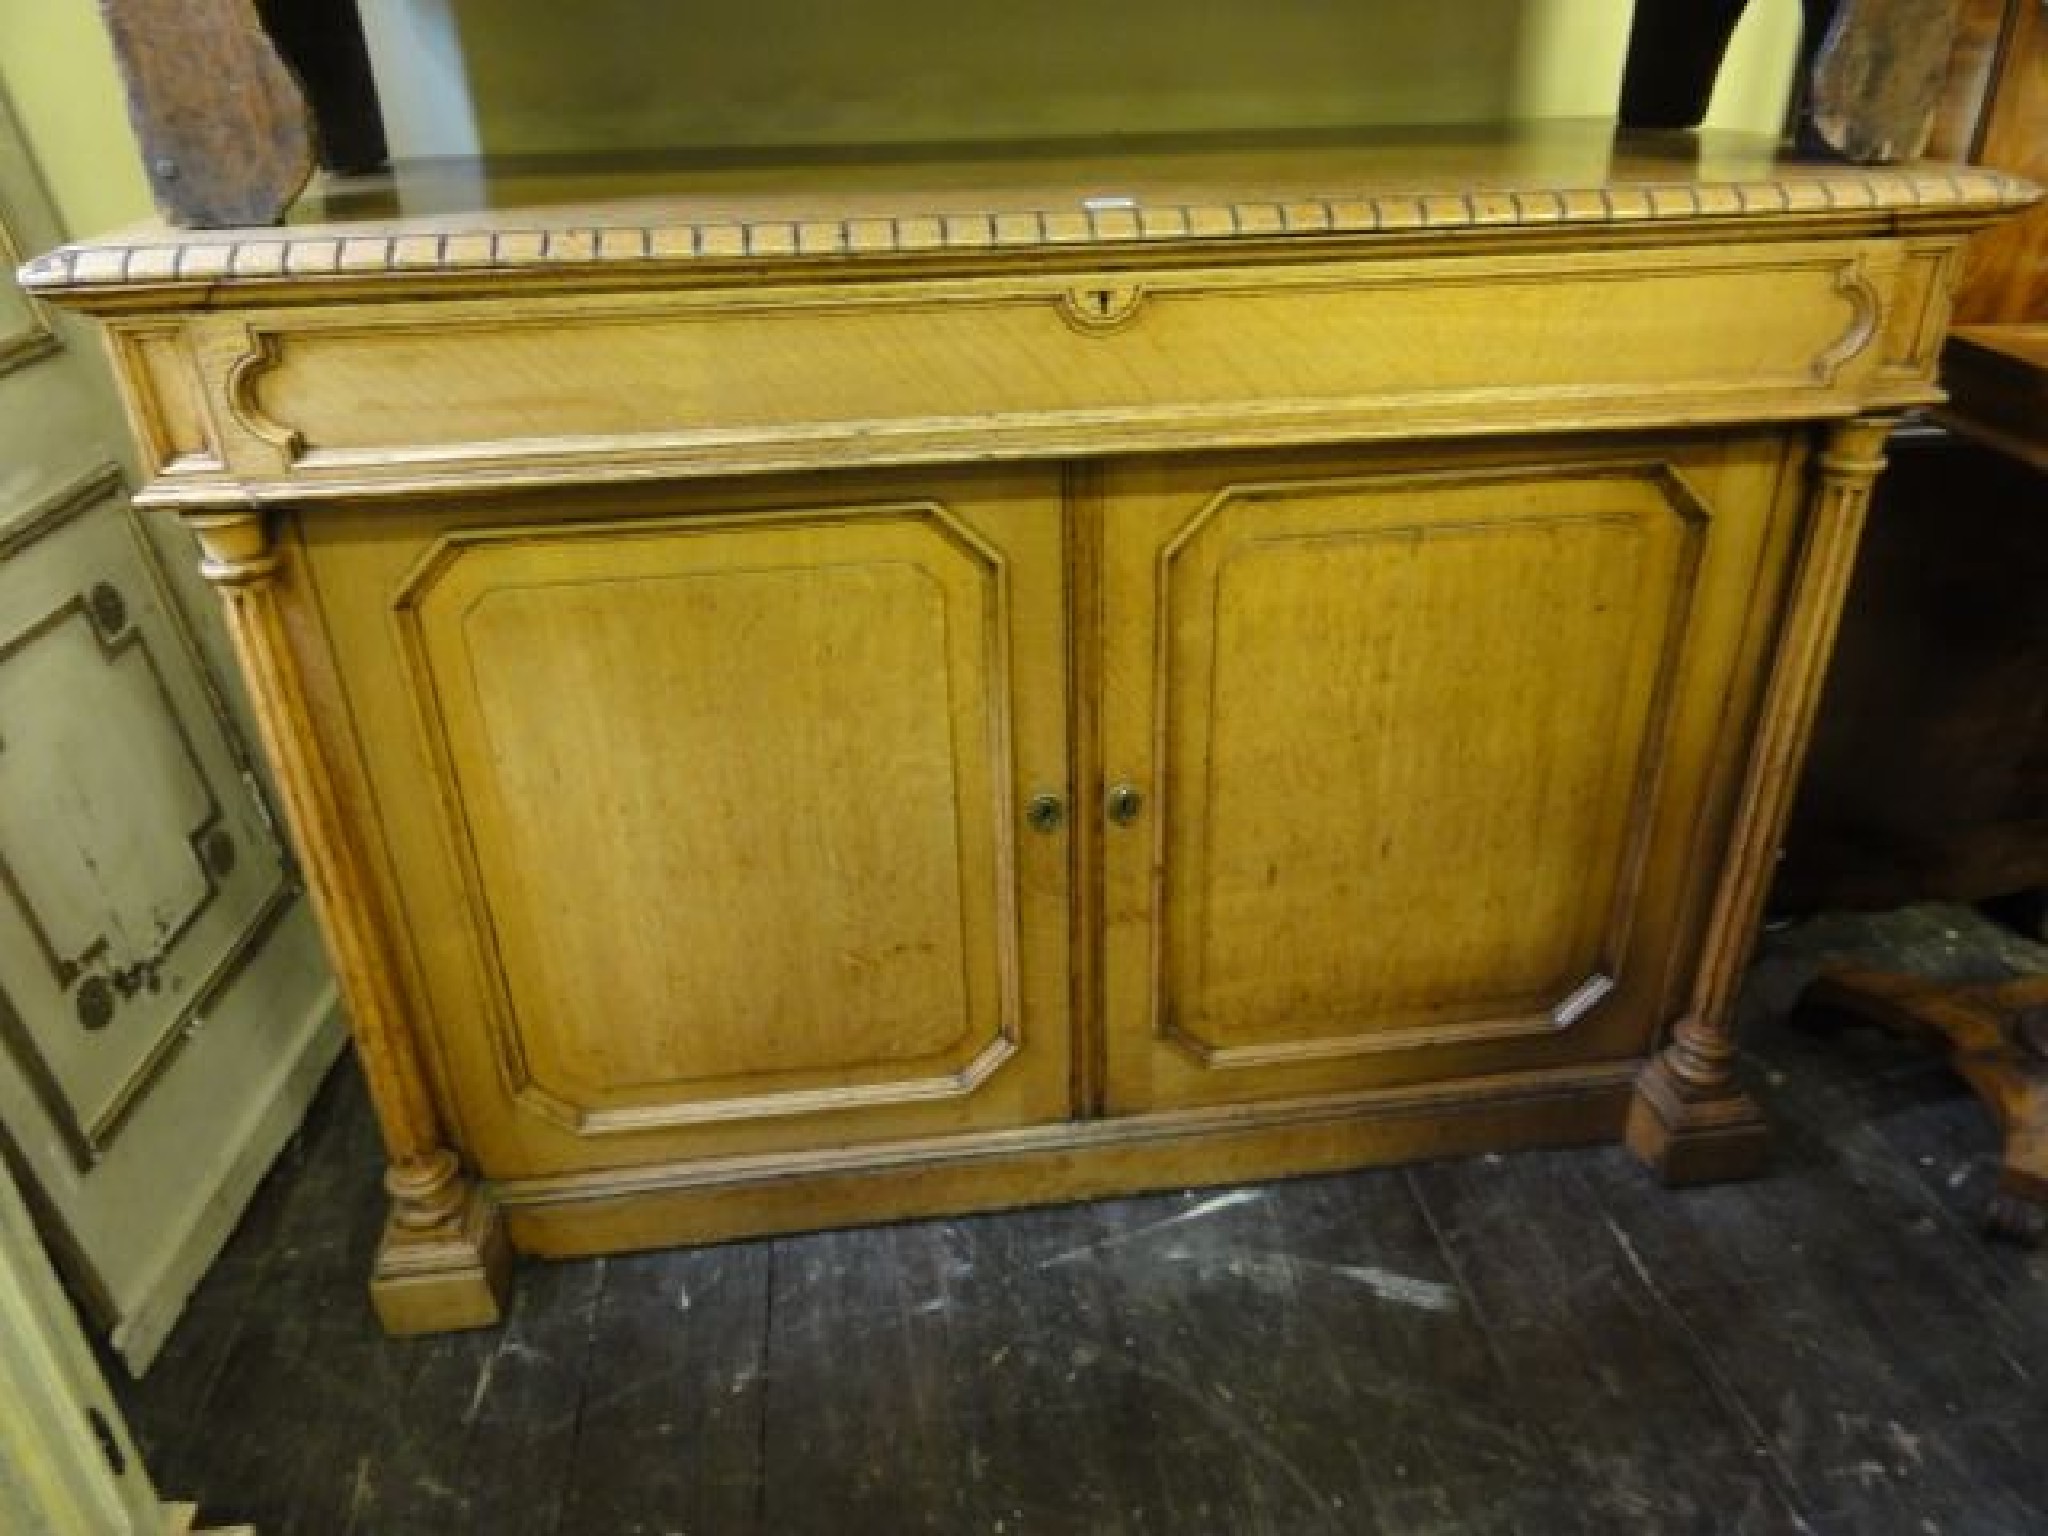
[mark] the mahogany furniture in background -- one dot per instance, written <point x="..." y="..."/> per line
<point x="1930" y="775"/>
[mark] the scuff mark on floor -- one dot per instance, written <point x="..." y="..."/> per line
<point x="1408" y="1290"/>
<point x="1905" y="1442"/>
<point x="1214" y="1206"/>
<point x="483" y="1386"/>
<point x="1278" y="1271"/>
<point x="435" y="1488"/>
<point x="359" y="1495"/>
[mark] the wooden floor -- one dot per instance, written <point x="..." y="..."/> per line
<point x="1542" y="1343"/>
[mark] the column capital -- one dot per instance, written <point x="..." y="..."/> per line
<point x="236" y="547"/>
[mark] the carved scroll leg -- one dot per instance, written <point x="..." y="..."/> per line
<point x="1690" y="1121"/>
<point x="444" y="1262"/>
<point x="1997" y="1038"/>
<point x="2018" y="1209"/>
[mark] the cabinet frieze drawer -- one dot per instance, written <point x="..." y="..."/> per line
<point x="414" y="393"/>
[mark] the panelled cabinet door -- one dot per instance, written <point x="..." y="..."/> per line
<point x="1422" y="760"/>
<point x="710" y="809"/>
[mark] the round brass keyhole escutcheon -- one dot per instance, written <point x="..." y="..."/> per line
<point x="1123" y="804"/>
<point x="1046" y="812"/>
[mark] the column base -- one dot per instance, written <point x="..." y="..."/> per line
<point x="1691" y="1139"/>
<point x="445" y="1278"/>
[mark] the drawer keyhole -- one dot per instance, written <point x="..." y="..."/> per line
<point x="1101" y="307"/>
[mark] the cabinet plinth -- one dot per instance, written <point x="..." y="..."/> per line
<point x="917" y="691"/>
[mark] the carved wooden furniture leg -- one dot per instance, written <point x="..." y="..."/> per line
<point x="444" y="1262"/>
<point x="1691" y="1121"/>
<point x="1997" y="1036"/>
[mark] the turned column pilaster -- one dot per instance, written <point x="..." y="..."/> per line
<point x="1690" y="1120"/>
<point x="442" y="1263"/>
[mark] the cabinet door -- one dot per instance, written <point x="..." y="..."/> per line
<point x="1429" y="757"/>
<point x="706" y="809"/>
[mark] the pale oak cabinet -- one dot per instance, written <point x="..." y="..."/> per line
<point x="830" y="693"/>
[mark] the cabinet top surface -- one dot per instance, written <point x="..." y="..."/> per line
<point x="465" y="224"/>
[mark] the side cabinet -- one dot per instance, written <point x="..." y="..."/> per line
<point x="813" y="694"/>
<point x="706" y="811"/>
<point x="1411" y="754"/>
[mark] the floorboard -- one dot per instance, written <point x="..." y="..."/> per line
<point x="1536" y="1343"/>
<point x="669" y="1432"/>
<point x="1638" y="1418"/>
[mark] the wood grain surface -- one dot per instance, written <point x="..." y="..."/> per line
<point x="2005" y="271"/>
